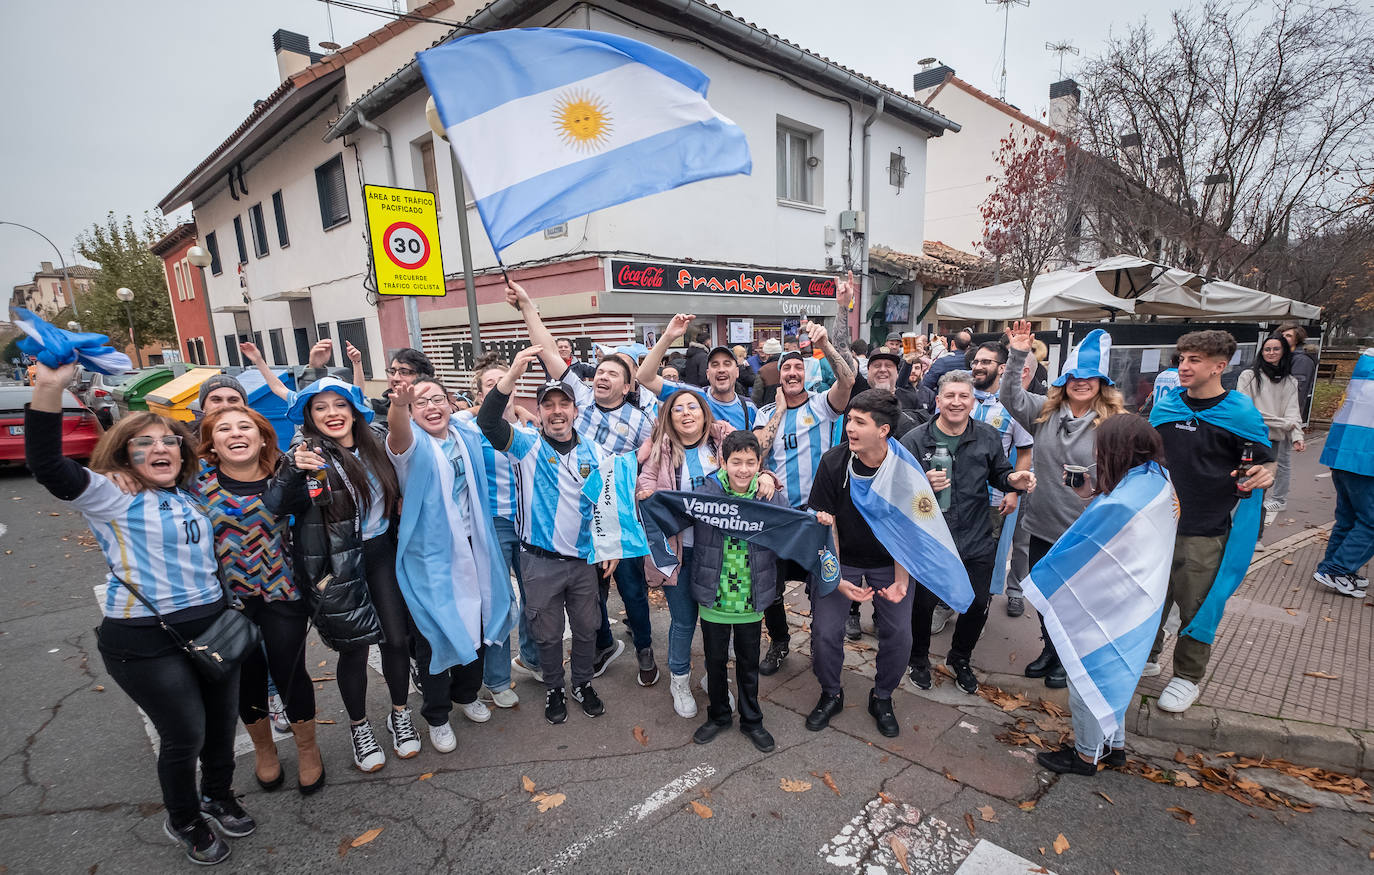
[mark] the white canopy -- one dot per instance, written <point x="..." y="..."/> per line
<point x="1179" y="293"/>
<point x="1063" y="294"/>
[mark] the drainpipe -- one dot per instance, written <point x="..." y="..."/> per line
<point x="412" y="310"/>
<point x="865" y="283"/>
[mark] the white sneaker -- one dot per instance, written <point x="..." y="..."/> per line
<point x="506" y="698"/>
<point x="939" y="618"/>
<point x="367" y="754"/>
<point x="476" y="711"/>
<point x="442" y="738"/>
<point x="404" y="739"/>
<point x="681" y="687"/>
<point x="518" y="664"/>
<point x="1345" y="584"/>
<point x="1178" y="696"/>
<point x="276" y="713"/>
<point x="1151" y="669"/>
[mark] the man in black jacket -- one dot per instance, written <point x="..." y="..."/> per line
<point x="694" y="371"/>
<point x="975" y="449"/>
<point x="954" y="360"/>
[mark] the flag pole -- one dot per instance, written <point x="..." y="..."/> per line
<point x="460" y="207"/>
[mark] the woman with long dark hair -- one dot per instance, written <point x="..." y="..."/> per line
<point x="343" y="551"/>
<point x="158" y="546"/>
<point x="239" y="448"/>
<point x="1270" y="383"/>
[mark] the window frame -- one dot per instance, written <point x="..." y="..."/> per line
<point x="324" y="193"/>
<point x="212" y="246"/>
<point x="277" y="341"/>
<point x="257" y="229"/>
<point x="279" y="213"/>
<point x="787" y="133"/>
<point x="241" y="240"/>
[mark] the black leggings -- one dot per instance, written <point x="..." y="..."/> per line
<point x="194" y="720"/>
<point x="1037" y="550"/>
<point x="379" y="556"/>
<point x="283" y="626"/>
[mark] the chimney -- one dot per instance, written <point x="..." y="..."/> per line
<point x="1064" y="96"/>
<point x="1216" y="191"/>
<point x="412" y="5"/>
<point x="1130" y="151"/>
<point x="47" y="266"/>
<point x="293" y="52"/>
<point x="930" y="76"/>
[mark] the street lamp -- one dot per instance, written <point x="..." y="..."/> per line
<point x="71" y="290"/>
<point x="127" y="295"/>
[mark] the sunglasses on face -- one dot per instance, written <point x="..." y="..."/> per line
<point x="170" y="441"/>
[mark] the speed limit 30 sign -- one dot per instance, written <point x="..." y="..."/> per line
<point x="404" y="228"/>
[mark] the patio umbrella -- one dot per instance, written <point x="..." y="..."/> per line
<point x="1063" y="294"/>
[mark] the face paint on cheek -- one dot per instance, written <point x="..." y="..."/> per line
<point x="138" y="457"/>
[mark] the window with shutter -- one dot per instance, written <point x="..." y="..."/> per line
<point x="333" y="193"/>
<point x="212" y="246"/>
<point x="279" y="210"/>
<point x="238" y="238"/>
<point x="259" y="228"/>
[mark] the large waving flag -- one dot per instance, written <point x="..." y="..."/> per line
<point x="1350" y="442"/>
<point x="1101" y="588"/>
<point x="55" y="347"/>
<point x="550" y="124"/>
<point x="615" y="527"/>
<point x="900" y="507"/>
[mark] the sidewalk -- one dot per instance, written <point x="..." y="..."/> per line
<point x="1290" y="671"/>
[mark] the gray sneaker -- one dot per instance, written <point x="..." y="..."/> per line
<point x="939" y="618"/>
<point x="648" y="669"/>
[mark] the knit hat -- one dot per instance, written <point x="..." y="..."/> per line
<point x="1088" y="360"/>
<point x="221" y="381"/>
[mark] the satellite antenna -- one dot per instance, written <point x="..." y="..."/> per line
<point x="1005" y="6"/>
<point x="1062" y="49"/>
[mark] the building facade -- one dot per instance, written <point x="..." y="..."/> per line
<point x="48" y="293"/>
<point x="190" y="304"/>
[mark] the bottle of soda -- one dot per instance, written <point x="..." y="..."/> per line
<point x="1247" y="458"/>
<point x="940" y="461"/>
<point x="317" y="483"/>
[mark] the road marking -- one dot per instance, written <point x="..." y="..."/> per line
<point x="990" y="859"/>
<point x="655" y="801"/>
<point x="3" y="529"/>
<point x="931" y="845"/>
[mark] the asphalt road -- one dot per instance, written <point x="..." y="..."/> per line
<point x="78" y="792"/>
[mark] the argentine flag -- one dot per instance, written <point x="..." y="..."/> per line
<point x="1101" y="587"/>
<point x="1349" y="444"/>
<point x="55" y="347"/>
<point x="550" y="124"/>
<point x="615" y="527"/>
<point x="900" y="507"/>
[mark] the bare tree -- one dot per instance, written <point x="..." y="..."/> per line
<point x="1207" y="141"/>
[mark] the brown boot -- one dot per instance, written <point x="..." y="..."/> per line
<point x="309" y="766"/>
<point x="266" y="767"/>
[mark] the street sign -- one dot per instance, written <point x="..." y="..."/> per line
<point x="404" y="227"/>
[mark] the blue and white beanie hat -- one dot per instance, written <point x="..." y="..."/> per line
<point x="1088" y="360"/>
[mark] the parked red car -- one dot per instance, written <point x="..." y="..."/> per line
<point x="80" y="432"/>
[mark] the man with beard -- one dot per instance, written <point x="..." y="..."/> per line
<point x="800" y="427"/>
<point x="722" y="373"/>
<point x="989" y="364"/>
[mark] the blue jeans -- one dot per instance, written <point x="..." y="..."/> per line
<point x="682" y="611"/>
<point x="1087" y="734"/>
<point x="1352" y="537"/>
<point x="496" y="661"/>
<point x="634" y="592"/>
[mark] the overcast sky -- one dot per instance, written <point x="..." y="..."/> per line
<point x="108" y="105"/>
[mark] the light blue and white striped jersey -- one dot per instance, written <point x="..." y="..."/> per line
<point x="503" y="488"/>
<point x="376" y="521"/>
<point x="619" y="430"/>
<point x="991" y="411"/>
<point x="806" y="432"/>
<point x="698" y="463"/>
<point x="648" y="403"/>
<point x="554" y="515"/>
<point x="739" y="411"/>
<point x="1166" y="382"/>
<point x="159" y="541"/>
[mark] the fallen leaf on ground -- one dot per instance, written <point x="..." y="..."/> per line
<point x="545" y="801"/>
<point x="968" y="821"/>
<point x="426" y="776"/>
<point x="1182" y="814"/>
<point x="988" y="813"/>
<point x="1291" y="612"/>
<point x="322" y="720"/>
<point x="1179" y="757"/>
<point x="322" y="663"/>
<point x="1028" y="805"/>
<point x="790" y="786"/>
<point x="899" y="851"/>
<point x="1105" y="796"/>
<point x="1061" y="844"/>
<point x="100" y="688"/>
<point x="527" y="783"/>
<point x="1288" y="562"/>
<point x="641" y="736"/>
<point x="365" y="837"/>
<point x="887" y="800"/>
<point x="702" y="811"/>
<point x="1321" y="674"/>
<point x="1185" y="779"/>
<point x="828" y="781"/>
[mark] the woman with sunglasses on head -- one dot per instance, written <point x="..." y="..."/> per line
<point x="239" y="448"/>
<point x="157" y="544"/>
<point x="343" y="550"/>
<point x="682" y="452"/>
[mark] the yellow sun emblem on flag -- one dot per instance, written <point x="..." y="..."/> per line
<point x="924" y="506"/>
<point x="583" y="120"/>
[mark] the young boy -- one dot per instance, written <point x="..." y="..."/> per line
<point x="732" y="581"/>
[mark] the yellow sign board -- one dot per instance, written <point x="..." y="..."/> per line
<point x="404" y="227"/>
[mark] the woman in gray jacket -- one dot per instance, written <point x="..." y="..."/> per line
<point x="1270" y="383"/>
<point x="1064" y="423"/>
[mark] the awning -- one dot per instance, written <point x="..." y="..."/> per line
<point x="1063" y="294"/>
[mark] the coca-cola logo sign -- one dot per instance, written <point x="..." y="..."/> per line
<point x="648" y="276"/>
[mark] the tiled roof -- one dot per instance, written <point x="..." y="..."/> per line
<point x="331" y="63"/>
<point x="1000" y="105"/>
<point x="174" y="238"/>
<point x="75" y="271"/>
<point x="938" y="265"/>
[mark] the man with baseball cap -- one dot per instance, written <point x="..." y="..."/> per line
<point x="722" y="373"/>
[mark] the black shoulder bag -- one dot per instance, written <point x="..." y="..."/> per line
<point x="216" y="652"/>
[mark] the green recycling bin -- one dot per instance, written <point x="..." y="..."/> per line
<point x="132" y="393"/>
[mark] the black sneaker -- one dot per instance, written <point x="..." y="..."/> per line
<point x="203" y="845"/>
<point x="229" y="816"/>
<point x="852" y="630"/>
<point x="1066" y="761"/>
<point x="1115" y="758"/>
<point x="886" y="720"/>
<point x="773" y="659"/>
<point x="555" y="709"/>
<point x="963" y="674"/>
<point x="604" y="657"/>
<point x="1057" y="679"/>
<point x="589" y="700"/>
<point x="1016" y="606"/>
<point x="648" y="669"/>
<point x="920" y="676"/>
